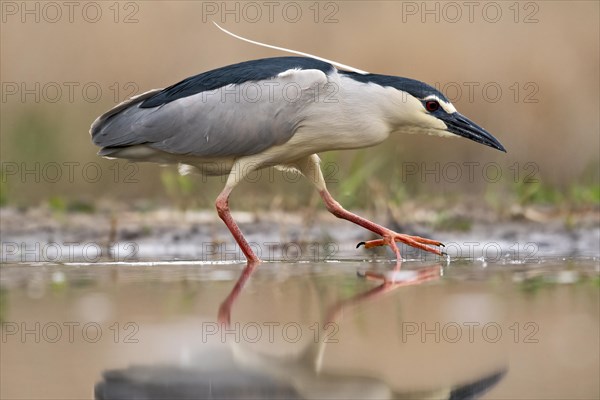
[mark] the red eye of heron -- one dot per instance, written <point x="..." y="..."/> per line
<point x="432" y="105"/>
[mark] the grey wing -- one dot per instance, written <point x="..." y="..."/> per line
<point x="234" y="120"/>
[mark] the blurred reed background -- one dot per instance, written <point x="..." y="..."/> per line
<point x="543" y="56"/>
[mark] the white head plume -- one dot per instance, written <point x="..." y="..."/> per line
<point x="337" y="64"/>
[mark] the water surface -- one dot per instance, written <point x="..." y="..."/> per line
<point x="300" y="330"/>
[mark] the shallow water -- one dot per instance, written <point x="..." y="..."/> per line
<point x="301" y="330"/>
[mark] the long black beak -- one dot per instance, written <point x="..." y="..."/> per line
<point x="462" y="126"/>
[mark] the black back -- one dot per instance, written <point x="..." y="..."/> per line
<point x="254" y="70"/>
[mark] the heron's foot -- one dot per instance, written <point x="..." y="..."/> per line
<point x="418" y="242"/>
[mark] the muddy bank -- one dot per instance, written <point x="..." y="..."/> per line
<point x="40" y="234"/>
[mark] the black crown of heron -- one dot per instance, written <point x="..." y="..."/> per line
<point x="204" y="125"/>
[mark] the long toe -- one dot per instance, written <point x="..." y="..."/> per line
<point x="406" y="239"/>
<point x="413" y="243"/>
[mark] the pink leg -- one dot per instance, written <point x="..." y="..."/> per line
<point x="223" y="210"/>
<point x="389" y="237"/>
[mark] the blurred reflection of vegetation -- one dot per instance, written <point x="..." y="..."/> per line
<point x="532" y="282"/>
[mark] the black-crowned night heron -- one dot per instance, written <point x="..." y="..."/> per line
<point x="278" y="112"/>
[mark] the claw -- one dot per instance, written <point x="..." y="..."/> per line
<point x="361" y="244"/>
